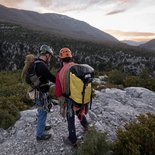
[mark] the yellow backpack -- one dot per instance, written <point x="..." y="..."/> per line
<point x="79" y="78"/>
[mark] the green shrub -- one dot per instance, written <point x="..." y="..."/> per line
<point x="94" y="144"/>
<point x="151" y="84"/>
<point x="131" y="81"/>
<point x="14" y="89"/>
<point x="116" y="77"/>
<point x="12" y="97"/>
<point x="8" y="113"/>
<point x="138" y="81"/>
<point x="144" y="74"/>
<point x="137" y="137"/>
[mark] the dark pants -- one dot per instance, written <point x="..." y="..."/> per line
<point x="71" y="120"/>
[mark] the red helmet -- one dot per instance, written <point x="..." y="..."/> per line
<point x="65" y="53"/>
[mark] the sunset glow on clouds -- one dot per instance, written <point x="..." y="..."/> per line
<point x="137" y="36"/>
<point x="124" y="19"/>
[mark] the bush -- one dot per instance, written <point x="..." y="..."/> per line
<point x="94" y="144"/>
<point x="9" y="114"/>
<point x="138" y="81"/>
<point x="131" y="81"/>
<point x="12" y="98"/>
<point x="116" y="77"/>
<point x="151" y="84"/>
<point x="137" y="137"/>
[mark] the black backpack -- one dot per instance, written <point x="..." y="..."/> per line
<point x="80" y="78"/>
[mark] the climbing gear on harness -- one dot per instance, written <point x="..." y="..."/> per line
<point x="45" y="100"/>
<point x="32" y="93"/>
<point x="63" y="110"/>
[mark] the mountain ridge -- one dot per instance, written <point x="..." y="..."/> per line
<point x="54" y="23"/>
<point x="18" y="40"/>
<point x="149" y="45"/>
<point x="133" y="43"/>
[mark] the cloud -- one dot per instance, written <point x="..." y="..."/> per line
<point x="115" y="6"/>
<point x="121" y="6"/>
<point x="70" y="5"/>
<point x="137" y="36"/>
<point x="115" y="12"/>
<point x="132" y="33"/>
<point x="11" y="3"/>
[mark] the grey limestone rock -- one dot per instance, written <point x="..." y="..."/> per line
<point x="111" y="109"/>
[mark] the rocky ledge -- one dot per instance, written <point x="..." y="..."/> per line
<point x="111" y="109"/>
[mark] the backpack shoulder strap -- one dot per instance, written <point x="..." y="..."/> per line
<point x="37" y="61"/>
<point x="35" y="64"/>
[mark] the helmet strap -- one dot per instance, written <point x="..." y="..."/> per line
<point x="47" y="59"/>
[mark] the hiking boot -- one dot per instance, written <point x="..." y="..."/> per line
<point x="47" y="127"/>
<point x="44" y="137"/>
<point x="68" y="142"/>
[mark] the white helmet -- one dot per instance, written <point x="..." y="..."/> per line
<point x="46" y="49"/>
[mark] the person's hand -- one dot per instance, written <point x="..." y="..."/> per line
<point x="52" y="70"/>
<point x="63" y="110"/>
<point x="61" y="101"/>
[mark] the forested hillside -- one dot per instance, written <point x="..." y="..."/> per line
<point x="16" y="42"/>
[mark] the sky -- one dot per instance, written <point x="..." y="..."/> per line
<point x="124" y="19"/>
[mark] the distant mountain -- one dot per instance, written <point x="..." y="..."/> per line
<point x="149" y="45"/>
<point x="22" y="32"/>
<point x="16" y="41"/>
<point x="55" y="24"/>
<point x="133" y="43"/>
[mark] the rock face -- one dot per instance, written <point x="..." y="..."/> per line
<point x="111" y="109"/>
<point x="114" y="107"/>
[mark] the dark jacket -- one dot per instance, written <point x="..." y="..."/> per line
<point x="43" y="72"/>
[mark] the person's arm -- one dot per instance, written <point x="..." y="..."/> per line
<point x="58" y="89"/>
<point x="58" y="94"/>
